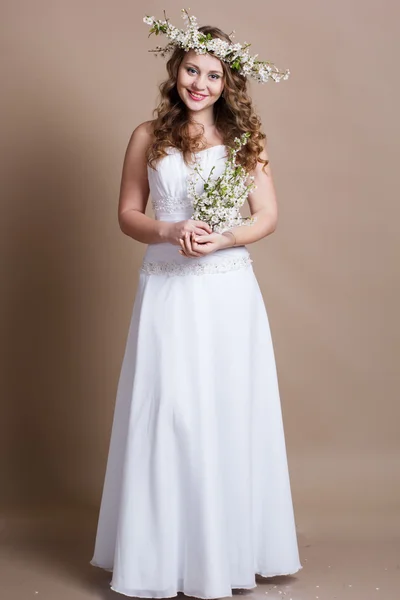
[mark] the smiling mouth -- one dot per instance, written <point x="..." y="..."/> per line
<point x="196" y="96"/>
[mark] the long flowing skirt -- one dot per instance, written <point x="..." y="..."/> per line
<point x="197" y="495"/>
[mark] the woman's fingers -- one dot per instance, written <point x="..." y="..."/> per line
<point x="186" y="245"/>
<point x="193" y="244"/>
<point x="182" y="250"/>
<point x="196" y="246"/>
<point x="190" y="248"/>
<point x="199" y="231"/>
<point x="186" y="242"/>
<point x="204" y="226"/>
<point x="202" y="239"/>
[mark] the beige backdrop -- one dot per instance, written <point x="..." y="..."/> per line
<point x="76" y="79"/>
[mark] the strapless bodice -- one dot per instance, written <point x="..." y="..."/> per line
<point x="168" y="183"/>
<point x="171" y="202"/>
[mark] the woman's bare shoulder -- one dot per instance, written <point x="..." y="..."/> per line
<point x="143" y="134"/>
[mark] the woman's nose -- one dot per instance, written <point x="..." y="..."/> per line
<point x="200" y="83"/>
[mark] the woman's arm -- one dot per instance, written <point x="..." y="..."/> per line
<point x="263" y="206"/>
<point x="134" y="195"/>
<point x="134" y="191"/>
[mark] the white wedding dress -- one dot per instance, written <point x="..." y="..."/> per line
<point x="197" y="493"/>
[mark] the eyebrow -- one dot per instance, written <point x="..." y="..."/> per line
<point x="194" y="65"/>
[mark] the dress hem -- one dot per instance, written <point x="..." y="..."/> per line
<point x="193" y="595"/>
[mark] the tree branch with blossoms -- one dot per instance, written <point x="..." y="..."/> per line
<point x="219" y="203"/>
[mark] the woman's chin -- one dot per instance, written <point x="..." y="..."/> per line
<point x="196" y="106"/>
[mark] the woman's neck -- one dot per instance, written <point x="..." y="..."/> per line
<point x="204" y="118"/>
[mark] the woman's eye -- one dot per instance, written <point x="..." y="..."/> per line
<point x="191" y="70"/>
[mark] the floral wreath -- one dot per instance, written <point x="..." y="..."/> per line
<point x="237" y="55"/>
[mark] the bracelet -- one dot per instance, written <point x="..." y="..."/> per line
<point x="231" y="232"/>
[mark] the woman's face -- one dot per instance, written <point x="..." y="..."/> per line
<point x="200" y="80"/>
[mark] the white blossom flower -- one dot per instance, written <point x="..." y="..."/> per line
<point x="222" y="197"/>
<point x="235" y="54"/>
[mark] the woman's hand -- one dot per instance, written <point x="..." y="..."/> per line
<point x="200" y="245"/>
<point x="177" y="231"/>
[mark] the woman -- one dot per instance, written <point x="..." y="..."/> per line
<point x="196" y="495"/>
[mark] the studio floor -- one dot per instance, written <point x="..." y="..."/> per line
<point x="45" y="555"/>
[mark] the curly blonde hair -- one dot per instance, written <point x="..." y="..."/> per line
<point x="233" y="113"/>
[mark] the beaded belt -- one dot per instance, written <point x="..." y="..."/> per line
<point x="192" y="267"/>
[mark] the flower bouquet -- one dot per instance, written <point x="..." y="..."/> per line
<point x="218" y="205"/>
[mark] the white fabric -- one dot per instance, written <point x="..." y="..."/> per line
<point x="197" y="494"/>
